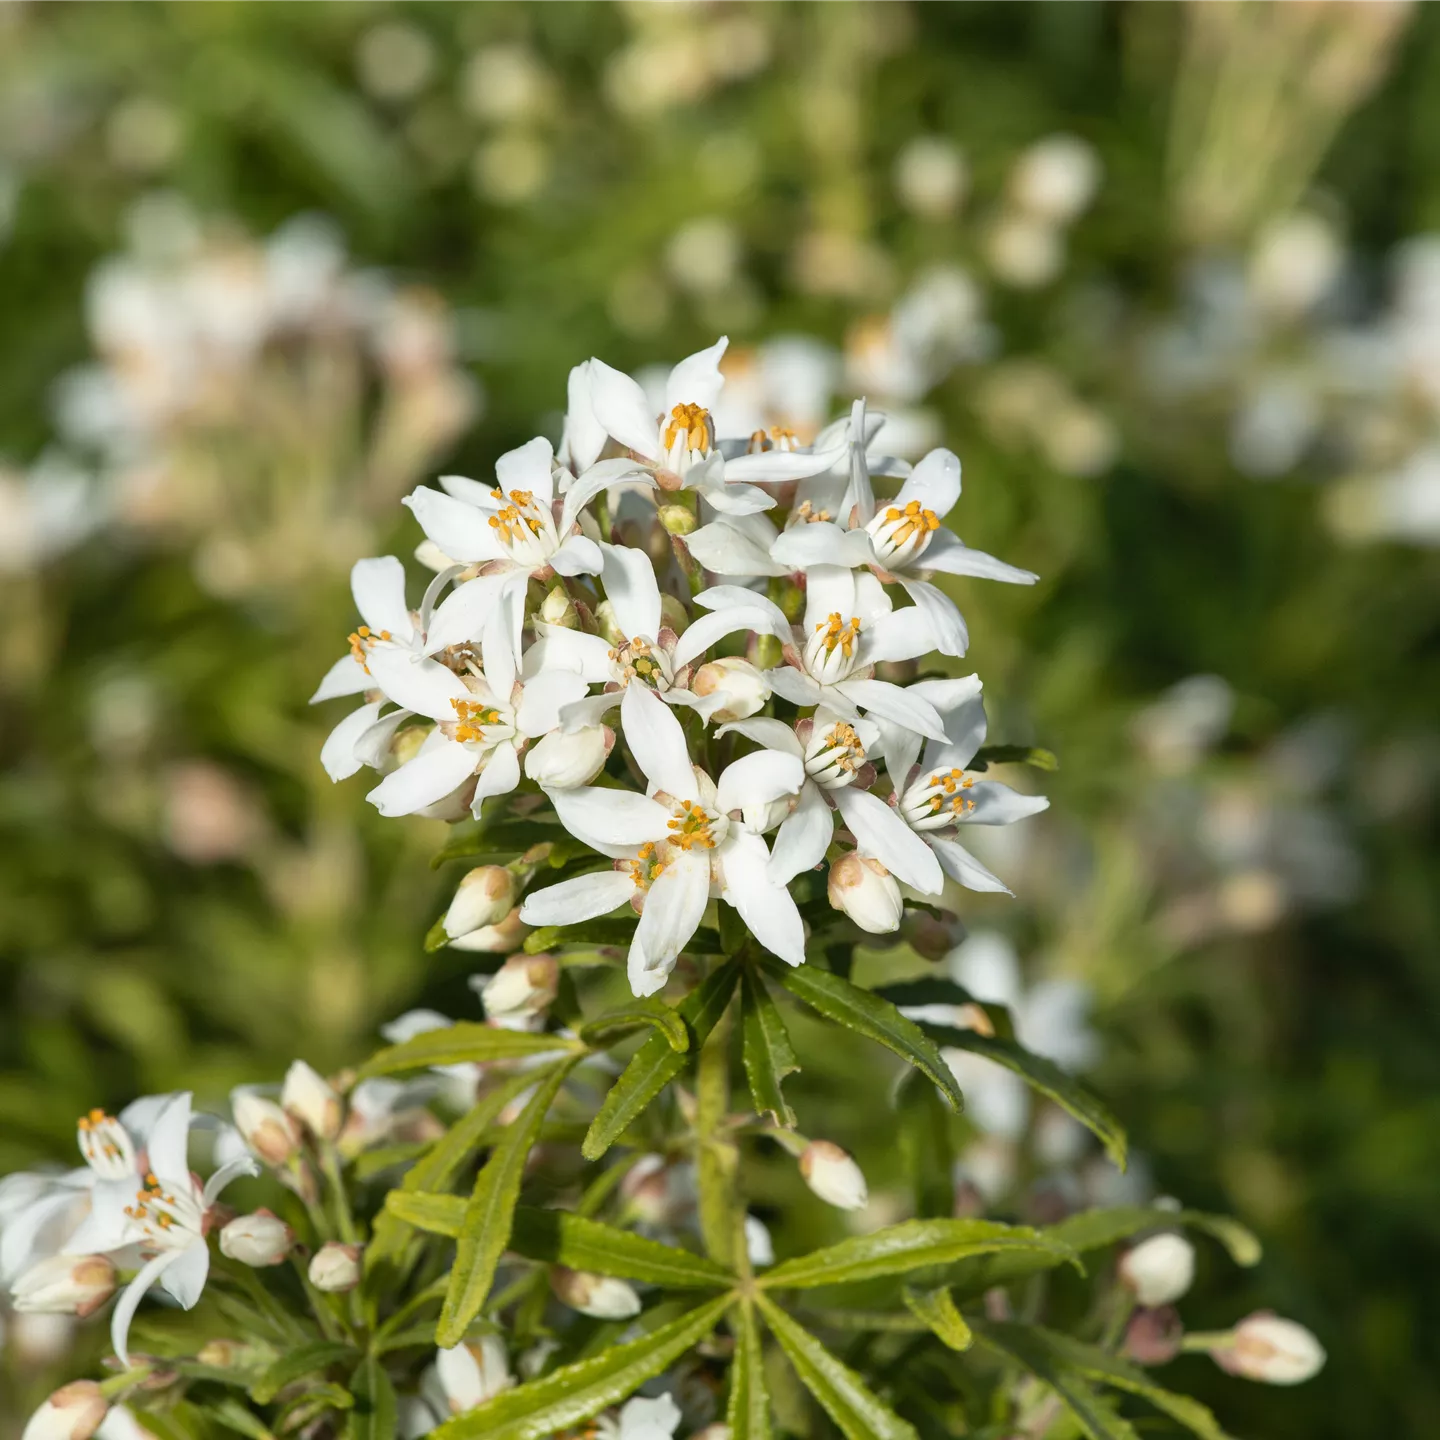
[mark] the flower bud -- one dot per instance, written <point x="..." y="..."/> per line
<point x="561" y="762"/>
<point x="265" y="1127"/>
<point x="523" y="985"/>
<point x="1265" y="1347"/>
<point x="501" y="938"/>
<point x="335" y="1268"/>
<point x="557" y="608"/>
<point x="73" y="1412"/>
<point x="309" y="1098"/>
<point x="1158" y="1271"/>
<point x="833" y="1175"/>
<point x="485" y="895"/>
<point x="259" y="1239"/>
<point x="65" y="1285"/>
<point x="473" y="1372"/>
<point x="678" y="519"/>
<point x="1153" y="1336"/>
<point x="745" y="689"/>
<point x="865" y="890"/>
<point x="599" y="1295"/>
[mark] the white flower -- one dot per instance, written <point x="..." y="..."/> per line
<point x="259" y="1239"/>
<point x="522" y="988"/>
<point x="73" y="1412"/>
<point x="311" y="1099"/>
<point x="690" y="834"/>
<point x="65" y="1285"/>
<point x="169" y="1219"/>
<point x="1265" y="1347"/>
<point x="264" y="1126"/>
<point x="866" y="891"/>
<point x="601" y="1296"/>
<point x="561" y="761"/>
<point x="833" y="1175"/>
<point x="473" y="1372"/>
<point x="1158" y="1271"/>
<point x="641" y="1419"/>
<point x="335" y="1268"/>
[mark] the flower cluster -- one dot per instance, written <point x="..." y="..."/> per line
<point x="738" y="600"/>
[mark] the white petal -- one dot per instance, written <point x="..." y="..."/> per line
<point x="708" y="629"/>
<point x="772" y="465"/>
<point x="378" y="586"/>
<point x="373" y="747"/>
<point x="772" y="734"/>
<point x="130" y="1298"/>
<point x="901" y="748"/>
<point x="657" y="742"/>
<point x="829" y="590"/>
<point x="591" y="481"/>
<point x="461" y="616"/>
<point x="629" y="580"/>
<point x="696" y="380"/>
<point x="729" y="597"/>
<point x="461" y="531"/>
<point x="822" y="543"/>
<point x="497" y="657"/>
<point x="424" y="686"/>
<point x="959" y="864"/>
<point x="757" y="779"/>
<point x="471" y="492"/>
<point x="766" y="908"/>
<point x="884" y="836"/>
<point x="947" y="552"/>
<point x="997" y="804"/>
<point x="577" y="555"/>
<point x="584" y="436"/>
<point x="963" y="711"/>
<point x="558" y="649"/>
<point x="168" y="1144"/>
<point x="726" y="498"/>
<point x="337" y="754"/>
<point x="580" y="714"/>
<point x="621" y="407"/>
<point x="610" y="821"/>
<point x="803" y="837"/>
<point x="345" y="677"/>
<point x="934" y="482"/>
<point x="106" y="1227"/>
<point x="861" y="494"/>
<point x="674" y="907"/>
<point x="724" y="550"/>
<point x="432" y="775"/>
<point x="184" y="1281"/>
<point x="582" y="898"/>
<point x="528" y="468"/>
<point x="794" y="685"/>
<point x="460" y="1377"/>
<point x="501" y="774"/>
<point x="898" y="635"/>
<point x="943" y="622"/>
<point x="890" y="702"/>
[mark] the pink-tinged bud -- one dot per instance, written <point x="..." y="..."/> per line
<point x="73" y="1412"/>
<point x="866" y="891"/>
<point x="503" y="938"/>
<point x="485" y="896"/>
<point x="599" y="1295"/>
<point x="561" y="762"/>
<point x="265" y="1127"/>
<point x="744" y="687"/>
<point x="259" y="1239"/>
<point x="833" y="1175"/>
<point x="1265" y="1347"/>
<point x="335" y="1268"/>
<point x="1158" y="1271"/>
<point x="65" y="1285"/>
<point x="310" y="1099"/>
<point x="929" y="936"/>
<point x="523" y="985"/>
<point x="1153" y="1336"/>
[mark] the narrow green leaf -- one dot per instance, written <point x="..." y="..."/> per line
<point x="842" y="1394"/>
<point x="655" y="1064"/>
<point x="926" y="1145"/>
<point x="769" y="1056"/>
<point x="577" y="1392"/>
<point x="748" y="1409"/>
<point x="604" y="1030"/>
<point x="307" y="1360"/>
<point x="988" y="755"/>
<point x="588" y="932"/>
<point x="467" y="1042"/>
<point x="373" y="1417"/>
<point x="558" y="1237"/>
<point x="904" y="1247"/>
<point x="485" y="1233"/>
<point x="931" y="990"/>
<point x="867" y="1014"/>
<point x="434" y="1214"/>
<point x="1046" y="1077"/>
<point x="233" y="1415"/>
<point x="940" y="1313"/>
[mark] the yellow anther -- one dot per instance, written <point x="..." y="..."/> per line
<point x="912" y="520"/>
<point x="840" y="632"/>
<point x="471" y="717"/>
<point x="361" y="640"/>
<point x="691" y="421"/>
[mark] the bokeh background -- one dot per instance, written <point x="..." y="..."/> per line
<point x="1166" y="276"/>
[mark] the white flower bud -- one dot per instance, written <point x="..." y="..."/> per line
<point x="65" y="1285"/>
<point x="1158" y="1271"/>
<point x="557" y="608"/>
<point x="1056" y="178"/>
<point x="309" y="1098"/>
<point x="758" y="1244"/>
<point x="678" y="519"/>
<point x="745" y="689"/>
<point x="599" y="1295"/>
<point x="259" y="1239"/>
<point x="501" y="938"/>
<point x="335" y="1268"/>
<point x="523" y="985"/>
<point x="561" y="762"/>
<point x="73" y="1412"/>
<point x="265" y="1127"/>
<point x="833" y="1175"/>
<point x="866" y="891"/>
<point x="471" y="1373"/>
<point x="1265" y="1347"/>
<point x="485" y="896"/>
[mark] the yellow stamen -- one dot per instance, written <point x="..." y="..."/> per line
<point x="839" y="632"/>
<point x="471" y="718"/>
<point x="692" y="421"/>
<point x="361" y="640"/>
<point x="914" y="520"/>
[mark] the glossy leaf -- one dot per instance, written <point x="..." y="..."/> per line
<point x="588" y="932"/>
<point x="769" y="1056"/>
<point x="307" y="1360"/>
<point x="747" y="1411"/>
<point x="465" y="1043"/>
<point x="604" y="1030"/>
<point x="434" y="1214"/>
<point x="932" y="990"/>
<point x="1032" y="755"/>
<point x="940" y="1314"/>
<point x="577" y="1392"/>
<point x="561" y="1238"/>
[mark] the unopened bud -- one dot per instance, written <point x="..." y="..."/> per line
<point x="561" y="762"/>
<point x="678" y="519"/>
<point x="485" y="895"/>
<point x="1265" y="1347"/>
<point x="1159" y="1270"/>
<point x="557" y="608"/>
<point x="73" y="1412"/>
<point x="335" y="1268"/>
<point x="1153" y="1336"/>
<point x="866" y="891"/>
<point x="310" y="1099"/>
<point x="523" y="985"/>
<point x="599" y="1295"/>
<point x="259" y="1239"/>
<point x="472" y="1373"/>
<point x="929" y="936"/>
<point x="646" y="1188"/>
<point x="509" y="934"/>
<point x="745" y="689"/>
<point x="65" y="1285"/>
<point x="833" y="1175"/>
<point x="265" y="1127"/>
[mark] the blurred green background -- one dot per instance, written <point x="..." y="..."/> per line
<point x="1159" y="274"/>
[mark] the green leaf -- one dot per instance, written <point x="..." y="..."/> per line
<point x="604" y="1030"/>
<point x="307" y="1360"/>
<point x="434" y="1214"/>
<point x="234" y="1416"/>
<point x="769" y="1056"/>
<point x="843" y="1395"/>
<point x="926" y="1145"/>
<point x="940" y="1313"/>
<point x="588" y="932"/>
<point x="1025" y="1345"/>
<point x="485" y="1232"/>
<point x="748" y="1410"/>
<point x="988" y="755"/>
<point x="1046" y="1077"/>
<point x="904" y="1247"/>
<point x="655" y="1064"/>
<point x="437" y="937"/>
<point x="931" y="990"/>
<point x="577" y="1392"/>
<point x="867" y="1014"/>
<point x="467" y="1042"/>
<point x="373" y="1417"/>
<point x="558" y="1237"/>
